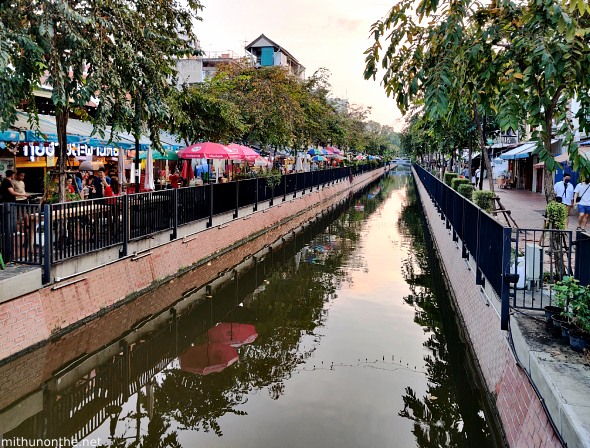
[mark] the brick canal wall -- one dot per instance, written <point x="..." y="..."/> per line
<point x="48" y="312"/>
<point x="523" y="419"/>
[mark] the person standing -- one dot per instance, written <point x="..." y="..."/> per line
<point x="7" y="190"/>
<point x="99" y="184"/>
<point x="582" y="192"/>
<point x="564" y="193"/>
<point x="19" y="186"/>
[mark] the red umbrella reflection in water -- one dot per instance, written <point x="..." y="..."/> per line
<point x="219" y="352"/>
<point x="232" y="334"/>
<point x="208" y="358"/>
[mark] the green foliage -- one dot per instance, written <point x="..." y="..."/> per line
<point x="457" y="182"/>
<point x="556" y="215"/>
<point x="466" y="190"/>
<point x="273" y="178"/>
<point x="200" y="114"/>
<point x="484" y="199"/>
<point x="575" y="301"/>
<point x="448" y="178"/>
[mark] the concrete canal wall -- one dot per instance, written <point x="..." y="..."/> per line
<point x="523" y="419"/>
<point x="54" y="310"/>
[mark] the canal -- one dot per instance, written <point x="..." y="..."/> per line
<point x="340" y="336"/>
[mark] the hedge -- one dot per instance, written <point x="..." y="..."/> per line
<point x="556" y="215"/>
<point x="459" y="181"/>
<point x="466" y="190"/>
<point x="449" y="177"/>
<point x="484" y="200"/>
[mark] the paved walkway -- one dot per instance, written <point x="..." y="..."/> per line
<point x="527" y="207"/>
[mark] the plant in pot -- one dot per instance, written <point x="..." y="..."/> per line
<point x="580" y="311"/>
<point x="561" y="314"/>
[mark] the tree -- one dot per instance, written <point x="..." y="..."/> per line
<point x="119" y="52"/>
<point x="548" y="49"/>
<point x="199" y="114"/>
<point x="440" y="65"/>
<point x="267" y="100"/>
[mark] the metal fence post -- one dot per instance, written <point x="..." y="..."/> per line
<point x="47" y="244"/>
<point x="8" y="230"/>
<point x="210" y="223"/>
<point x="174" y="234"/>
<point x="507" y="279"/>
<point x="295" y="189"/>
<point x="256" y="196"/>
<point x="285" y="190"/>
<point x="126" y="225"/>
<point x="237" y="182"/>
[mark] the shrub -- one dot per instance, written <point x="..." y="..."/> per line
<point x="484" y="200"/>
<point x="466" y="190"/>
<point x="455" y="183"/>
<point x="556" y="215"/>
<point x="449" y="177"/>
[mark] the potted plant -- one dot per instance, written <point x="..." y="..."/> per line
<point x="580" y="312"/>
<point x="561" y="315"/>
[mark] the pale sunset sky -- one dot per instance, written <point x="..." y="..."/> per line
<point x="319" y="33"/>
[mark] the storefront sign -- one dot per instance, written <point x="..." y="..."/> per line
<point x="74" y="150"/>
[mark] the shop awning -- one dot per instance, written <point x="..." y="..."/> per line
<point x="79" y="132"/>
<point x="521" y="152"/>
<point x="583" y="150"/>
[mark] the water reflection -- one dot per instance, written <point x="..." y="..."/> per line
<point x="305" y="324"/>
<point x="451" y="413"/>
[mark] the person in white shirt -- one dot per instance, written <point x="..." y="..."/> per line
<point x="564" y="193"/>
<point x="582" y="192"/>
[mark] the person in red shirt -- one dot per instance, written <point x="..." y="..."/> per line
<point x="174" y="180"/>
<point x="112" y="189"/>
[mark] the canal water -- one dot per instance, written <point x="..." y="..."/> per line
<point x="342" y="336"/>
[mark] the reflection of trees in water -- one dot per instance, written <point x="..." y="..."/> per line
<point x="287" y="314"/>
<point x="438" y="418"/>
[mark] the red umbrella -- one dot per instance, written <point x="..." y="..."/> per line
<point x="208" y="150"/>
<point x="187" y="170"/>
<point x="245" y="152"/>
<point x="208" y="358"/>
<point x="232" y="334"/>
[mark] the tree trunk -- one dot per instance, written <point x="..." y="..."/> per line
<point x="485" y="157"/>
<point x="61" y="121"/>
<point x="548" y="175"/>
<point x="469" y="156"/>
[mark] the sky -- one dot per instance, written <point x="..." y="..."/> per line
<point x="319" y="33"/>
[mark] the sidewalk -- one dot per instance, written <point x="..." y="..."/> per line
<point x="527" y="207"/>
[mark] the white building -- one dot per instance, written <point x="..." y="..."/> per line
<point x="265" y="52"/>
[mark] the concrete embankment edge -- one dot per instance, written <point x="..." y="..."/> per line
<point x="49" y="312"/>
<point x="523" y="419"/>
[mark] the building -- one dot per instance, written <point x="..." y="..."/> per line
<point x="265" y="52"/>
<point x="196" y="69"/>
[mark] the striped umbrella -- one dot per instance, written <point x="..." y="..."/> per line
<point x="149" y="184"/>
<point x="319" y="159"/>
<point x="315" y="151"/>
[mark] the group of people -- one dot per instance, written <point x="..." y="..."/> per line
<point x="574" y="197"/>
<point x="12" y="188"/>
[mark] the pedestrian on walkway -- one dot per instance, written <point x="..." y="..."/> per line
<point x="582" y="201"/>
<point x="564" y="191"/>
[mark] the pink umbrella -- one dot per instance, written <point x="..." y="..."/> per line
<point x="208" y="358"/>
<point x="208" y="150"/>
<point x="329" y="151"/>
<point x="245" y="152"/>
<point x="334" y="150"/>
<point x="232" y="334"/>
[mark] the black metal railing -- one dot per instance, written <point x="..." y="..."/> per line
<point x="521" y="265"/>
<point x="80" y="227"/>
<point x="479" y="235"/>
